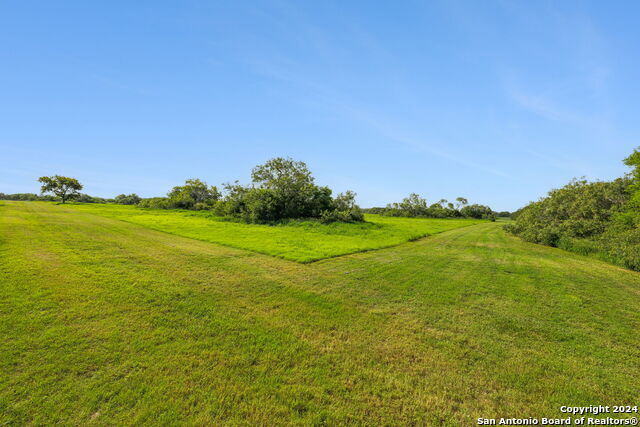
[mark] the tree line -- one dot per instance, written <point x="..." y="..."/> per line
<point x="64" y="188"/>
<point x="121" y="199"/>
<point x="415" y="206"/>
<point x="600" y="218"/>
<point x="280" y="189"/>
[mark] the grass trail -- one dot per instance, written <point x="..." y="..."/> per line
<point x="107" y="322"/>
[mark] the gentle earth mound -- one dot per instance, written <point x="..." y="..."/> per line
<point x="108" y="322"/>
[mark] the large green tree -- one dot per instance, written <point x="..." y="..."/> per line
<point x="64" y="187"/>
<point x="193" y="194"/>
<point x="284" y="188"/>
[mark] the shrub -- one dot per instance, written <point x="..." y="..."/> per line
<point x="201" y="206"/>
<point x="595" y="218"/>
<point x="281" y="189"/>
<point x="284" y="189"/>
<point x="478" y="212"/>
<point x="579" y="209"/>
<point x="85" y="198"/>
<point x="193" y="192"/>
<point x="130" y="199"/>
<point x="155" y="203"/>
<point x="416" y="206"/>
<point x="351" y="215"/>
<point x="623" y="246"/>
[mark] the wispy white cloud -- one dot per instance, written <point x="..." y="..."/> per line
<point x="543" y="106"/>
<point x="319" y="91"/>
<point x="339" y="102"/>
<point x="580" y="97"/>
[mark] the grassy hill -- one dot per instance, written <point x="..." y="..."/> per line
<point x="109" y="322"/>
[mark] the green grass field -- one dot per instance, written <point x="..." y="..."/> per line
<point x="110" y="322"/>
<point x="302" y="241"/>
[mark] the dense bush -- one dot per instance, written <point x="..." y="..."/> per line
<point x="416" y="206"/>
<point x="127" y="199"/>
<point x="284" y="189"/>
<point x="280" y="189"/>
<point x="194" y="195"/>
<point x="155" y="203"/>
<point x="477" y="211"/>
<point x="579" y="209"/>
<point x="593" y="218"/>
<point x="344" y="209"/>
<point x="85" y="198"/>
<point x="632" y="215"/>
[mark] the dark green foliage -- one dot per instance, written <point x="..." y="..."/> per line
<point x="285" y="189"/>
<point x="31" y="197"/>
<point x="622" y="246"/>
<point x="592" y="218"/>
<point x="478" y="212"/>
<point x="281" y="189"/>
<point x="130" y="199"/>
<point x="344" y="209"/>
<point x="155" y="203"/>
<point x="26" y="197"/>
<point x="352" y="215"/>
<point x="194" y="194"/>
<point x="234" y="202"/>
<point x="633" y="206"/>
<point x="375" y="210"/>
<point x="85" y="198"/>
<point x="64" y="187"/>
<point x="579" y="209"/>
<point x="415" y="206"/>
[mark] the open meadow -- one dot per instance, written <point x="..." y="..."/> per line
<point x="296" y="240"/>
<point x="106" y="322"/>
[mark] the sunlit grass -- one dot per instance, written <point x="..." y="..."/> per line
<point x="110" y="323"/>
<point x="302" y="241"/>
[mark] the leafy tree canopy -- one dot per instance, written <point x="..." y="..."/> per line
<point x="284" y="175"/>
<point x="127" y="199"/>
<point x="64" y="187"/>
<point x="416" y="206"/>
<point x="283" y="188"/>
<point x="193" y="194"/>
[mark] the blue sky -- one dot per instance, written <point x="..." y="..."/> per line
<point x="496" y="101"/>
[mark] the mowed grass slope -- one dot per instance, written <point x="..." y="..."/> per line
<point x="302" y="241"/>
<point x="107" y="322"/>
